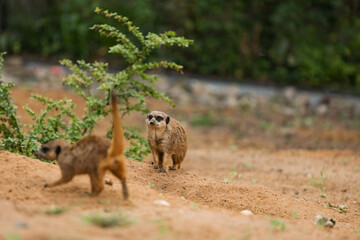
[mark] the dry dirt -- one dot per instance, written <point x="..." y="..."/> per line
<point x="222" y="175"/>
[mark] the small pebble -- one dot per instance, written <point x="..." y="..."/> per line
<point x="246" y="213"/>
<point x="162" y="203"/>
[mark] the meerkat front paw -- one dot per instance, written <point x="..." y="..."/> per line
<point x="162" y="171"/>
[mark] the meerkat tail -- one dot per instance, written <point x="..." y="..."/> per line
<point x="117" y="145"/>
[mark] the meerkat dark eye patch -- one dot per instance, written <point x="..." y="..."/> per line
<point x="150" y="117"/>
<point x="44" y="149"/>
<point x="57" y="150"/>
<point x="159" y="118"/>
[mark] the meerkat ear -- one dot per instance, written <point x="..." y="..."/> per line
<point x="167" y="120"/>
<point x="57" y="150"/>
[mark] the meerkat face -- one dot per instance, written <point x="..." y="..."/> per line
<point x="51" y="150"/>
<point x="157" y="119"/>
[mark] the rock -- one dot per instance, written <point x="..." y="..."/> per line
<point x="247" y="101"/>
<point x="325" y="222"/>
<point x="288" y="132"/>
<point x="323" y="105"/>
<point x="179" y="94"/>
<point x="321" y="109"/>
<point x="202" y="95"/>
<point x="162" y="203"/>
<point x="229" y="96"/>
<point x="162" y="84"/>
<point x="21" y="225"/>
<point x="289" y="112"/>
<point x="289" y="94"/>
<point x="302" y="103"/>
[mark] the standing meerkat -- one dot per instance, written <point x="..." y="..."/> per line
<point x="167" y="139"/>
<point x="92" y="155"/>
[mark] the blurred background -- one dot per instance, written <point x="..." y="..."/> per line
<point x="312" y="43"/>
<point x="261" y="73"/>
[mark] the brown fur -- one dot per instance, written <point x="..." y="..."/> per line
<point x="92" y="155"/>
<point x="167" y="139"/>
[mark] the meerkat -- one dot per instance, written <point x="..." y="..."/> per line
<point x="93" y="155"/>
<point x="167" y="139"/>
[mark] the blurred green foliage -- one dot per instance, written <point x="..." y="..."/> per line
<point x="132" y="85"/>
<point x="313" y="43"/>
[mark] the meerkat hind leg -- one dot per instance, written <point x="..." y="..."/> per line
<point x="176" y="163"/>
<point x="119" y="171"/>
<point x="165" y="164"/>
<point x="97" y="184"/>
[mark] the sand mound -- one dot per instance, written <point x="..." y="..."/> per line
<point x="200" y="207"/>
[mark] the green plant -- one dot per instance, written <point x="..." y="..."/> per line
<point x="319" y="183"/>
<point x="195" y="205"/>
<point x="310" y="43"/>
<point x="276" y="224"/>
<point x="247" y="235"/>
<point x="294" y="214"/>
<point x="342" y="208"/>
<point x="12" y="138"/>
<point x="233" y="174"/>
<point x="266" y="126"/>
<point x="133" y="82"/>
<point x="163" y="229"/>
<point x="249" y="166"/>
<point x="149" y="185"/>
<point x="56" y="210"/>
<point x="13" y="236"/>
<point x="203" y="120"/>
<point x="108" y="221"/>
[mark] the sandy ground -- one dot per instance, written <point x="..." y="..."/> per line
<point x="222" y="175"/>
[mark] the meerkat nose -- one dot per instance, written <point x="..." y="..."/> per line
<point x="152" y="123"/>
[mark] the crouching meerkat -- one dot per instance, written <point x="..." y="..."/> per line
<point x="167" y="139"/>
<point x="92" y="155"/>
